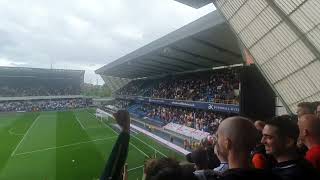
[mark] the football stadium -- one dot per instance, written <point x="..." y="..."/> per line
<point x="232" y="95"/>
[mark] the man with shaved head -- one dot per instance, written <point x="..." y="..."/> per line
<point x="309" y="126"/>
<point x="259" y="125"/>
<point x="236" y="138"/>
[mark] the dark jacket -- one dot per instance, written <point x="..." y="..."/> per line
<point x="114" y="167"/>
<point x="296" y="169"/>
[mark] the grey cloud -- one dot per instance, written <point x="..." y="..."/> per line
<point x="84" y="34"/>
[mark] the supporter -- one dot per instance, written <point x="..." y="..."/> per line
<point x="118" y="156"/>
<point x="302" y="109"/>
<point x="317" y="111"/>
<point x="236" y="138"/>
<point x="259" y="125"/>
<point x="42" y="105"/>
<point x="309" y="126"/>
<point x="223" y="161"/>
<point x="280" y="138"/>
<point x="201" y="160"/>
<point x="305" y="108"/>
<point x="166" y="169"/>
<point x="260" y="159"/>
<point x="207" y="121"/>
<point x="218" y="86"/>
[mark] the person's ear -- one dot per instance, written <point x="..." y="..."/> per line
<point x="227" y="143"/>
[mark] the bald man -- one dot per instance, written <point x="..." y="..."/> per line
<point x="236" y="138"/>
<point x="259" y="125"/>
<point x="309" y="126"/>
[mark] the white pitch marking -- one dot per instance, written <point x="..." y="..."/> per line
<point x="67" y="145"/>
<point x="140" y="150"/>
<point x="34" y="122"/>
<point x="79" y="121"/>
<point x="129" y="142"/>
<point x="135" y="168"/>
<point x="150" y="146"/>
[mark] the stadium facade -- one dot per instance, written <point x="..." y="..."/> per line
<point x="283" y="38"/>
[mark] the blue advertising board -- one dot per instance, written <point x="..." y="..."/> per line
<point x="227" y="108"/>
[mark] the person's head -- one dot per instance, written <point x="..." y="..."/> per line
<point x="187" y="172"/>
<point x="162" y="169"/>
<point x="309" y="126"/>
<point x="199" y="157"/>
<point x="280" y="135"/>
<point x="259" y="125"/>
<point x="236" y="136"/>
<point x="305" y="108"/>
<point x="317" y="111"/>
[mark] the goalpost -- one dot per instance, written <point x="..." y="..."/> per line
<point x="102" y="115"/>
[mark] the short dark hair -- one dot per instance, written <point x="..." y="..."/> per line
<point x="286" y="126"/>
<point x="162" y="169"/>
<point x="199" y="157"/>
<point x="308" y="105"/>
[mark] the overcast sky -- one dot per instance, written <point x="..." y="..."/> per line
<point x="84" y="34"/>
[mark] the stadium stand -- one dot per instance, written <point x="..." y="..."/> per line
<point x="220" y="86"/>
<point x="161" y="115"/>
<point x="35" y="89"/>
<point x="279" y="39"/>
<point x="42" y="105"/>
<point x="21" y="82"/>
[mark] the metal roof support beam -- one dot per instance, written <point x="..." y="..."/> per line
<point x="199" y="56"/>
<point x="216" y="47"/>
<point x="168" y="63"/>
<point x="129" y="70"/>
<point x="186" y="65"/>
<point x="158" y="65"/>
<point x="147" y="67"/>
<point x="132" y="74"/>
<point x="182" y="60"/>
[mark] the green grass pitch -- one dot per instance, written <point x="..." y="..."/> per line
<point x="65" y="146"/>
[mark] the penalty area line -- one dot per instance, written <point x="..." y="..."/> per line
<point x="24" y="136"/>
<point x="63" y="146"/>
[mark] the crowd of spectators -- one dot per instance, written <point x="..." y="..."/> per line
<point x="217" y="86"/>
<point x="122" y="104"/>
<point x="242" y="149"/>
<point x="42" y="105"/>
<point x="207" y="121"/>
<point x="6" y="91"/>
